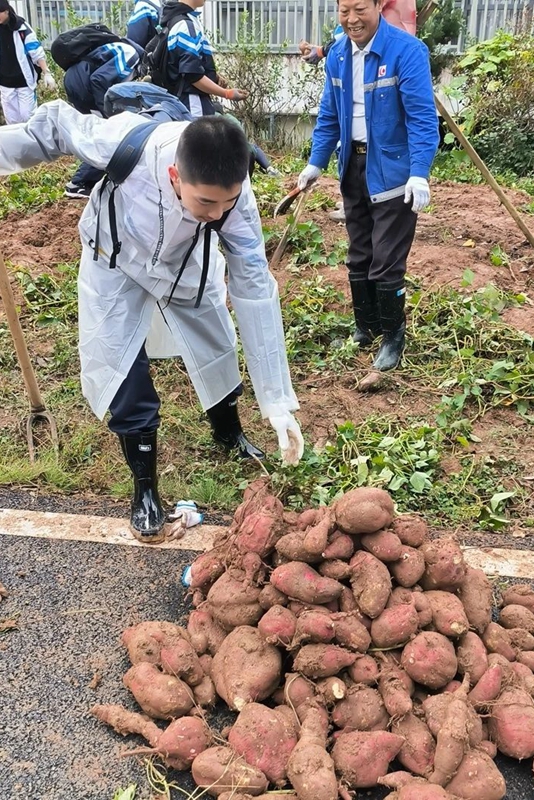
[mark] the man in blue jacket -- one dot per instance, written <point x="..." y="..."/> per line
<point x="144" y="21"/>
<point x="378" y="102"/>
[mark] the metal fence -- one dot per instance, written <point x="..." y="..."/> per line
<point x="280" y="23"/>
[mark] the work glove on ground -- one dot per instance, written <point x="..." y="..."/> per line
<point x="419" y="190"/>
<point x="290" y="438"/>
<point x="49" y="82"/>
<point x="307" y="176"/>
<point x="236" y="94"/>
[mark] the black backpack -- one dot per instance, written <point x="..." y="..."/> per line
<point x="156" y="57"/>
<point x="72" y="46"/>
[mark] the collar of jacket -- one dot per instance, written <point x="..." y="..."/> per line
<point x="172" y="8"/>
<point x="379" y="42"/>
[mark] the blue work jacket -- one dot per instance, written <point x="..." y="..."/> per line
<point x="400" y="113"/>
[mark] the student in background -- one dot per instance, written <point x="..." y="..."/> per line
<point x="144" y="21"/>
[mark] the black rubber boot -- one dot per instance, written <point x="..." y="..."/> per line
<point x="365" y="308"/>
<point x="147" y="516"/>
<point x="227" y="430"/>
<point x="391" y="299"/>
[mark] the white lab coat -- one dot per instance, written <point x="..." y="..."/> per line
<point x="117" y="306"/>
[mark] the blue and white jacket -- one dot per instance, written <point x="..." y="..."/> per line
<point x="143" y="21"/>
<point x="400" y="113"/>
<point x="29" y="51"/>
<point x="87" y="82"/>
<point x="190" y="51"/>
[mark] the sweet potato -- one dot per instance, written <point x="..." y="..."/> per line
<point x="411" y="529"/>
<point x="400" y="596"/>
<point x="245" y="669"/>
<point x="364" y="670"/>
<point x="232" y="602"/>
<point x="371" y="583"/>
<point x="297" y="690"/>
<point x="476" y="595"/>
<point x="506" y="666"/>
<point x="322" y="660"/>
<point x="419" y="747"/>
<point x="415" y="791"/>
<point x="351" y="633"/>
<point x="259" y="531"/>
<point x="423" y="608"/>
<point x="487" y="687"/>
<point x="126" y="722"/>
<point x="409" y="568"/>
<point x="313" y="626"/>
<point x="497" y="640"/>
<point x="511" y="723"/>
<point x="269" y="597"/>
<point x="334" y="568"/>
<point x="204" y="693"/>
<point x="302" y="582"/>
<point x="445" y="565"/>
<point x="477" y="778"/>
<point x="472" y="657"/>
<point x="347" y="601"/>
<point x="526" y="658"/>
<point x="490" y="748"/>
<point x="340" y="546"/>
<point x="207" y="567"/>
<point x="523" y="677"/>
<point x="364" y="510"/>
<point x="435" y="710"/>
<point x="160" y="696"/>
<point x="278" y="626"/>
<point x="310" y="769"/>
<point x="384" y="545"/>
<point x="292" y="548"/>
<point x="394" y="626"/>
<point x="430" y="659"/>
<point x="521" y="639"/>
<point x="516" y="616"/>
<point x="180" y="659"/>
<point x="181" y="742"/>
<point x="448" y="615"/>
<point x="522" y="594"/>
<point x="315" y="538"/>
<point x="396" y="688"/>
<point x="204" y="633"/>
<point x="265" y="738"/>
<point x="362" y="709"/>
<point x="361" y="757"/>
<point x="331" y="690"/>
<point x="452" y="738"/>
<point x="311" y="516"/>
<point x="220" y="769"/>
<point x="145" y="640"/>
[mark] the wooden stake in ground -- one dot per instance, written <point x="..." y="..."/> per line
<point x="484" y="171"/>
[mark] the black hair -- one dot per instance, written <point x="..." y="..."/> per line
<point x="214" y="151"/>
<point x="13" y="21"/>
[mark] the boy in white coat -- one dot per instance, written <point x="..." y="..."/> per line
<point x="190" y="180"/>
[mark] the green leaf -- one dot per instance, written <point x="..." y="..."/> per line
<point x="449" y="138"/>
<point x="468" y="277"/>
<point x="499" y="498"/>
<point x="126" y="794"/>
<point x="419" y="482"/>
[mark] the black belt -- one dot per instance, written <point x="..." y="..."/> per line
<point x="360" y="148"/>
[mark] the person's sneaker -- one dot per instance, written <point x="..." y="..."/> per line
<point x="78" y="190"/>
<point x="338" y="215"/>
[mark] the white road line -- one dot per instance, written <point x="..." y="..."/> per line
<point x="105" y="530"/>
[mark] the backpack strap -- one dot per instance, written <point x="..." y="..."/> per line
<point x="122" y="162"/>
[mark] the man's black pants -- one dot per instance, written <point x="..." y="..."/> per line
<point x="380" y="234"/>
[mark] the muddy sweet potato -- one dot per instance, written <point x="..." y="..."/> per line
<point x="145" y="640"/>
<point x="361" y="757"/>
<point x="310" y="769"/>
<point x="278" y="626"/>
<point x="340" y="547"/>
<point x="232" y="602"/>
<point x="291" y="547"/>
<point x="523" y="677"/>
<point x="445" y="565"/>
<point x="395" y="626"/>
<point x="423" y="608"/>
<point x="396" y="688"/>
<point x="314" y="627"/>
<point x="297" y="690"/>
<point x="522" y="594"/>
<point x="521" y="639"/>
<point x="204" y="693"/>
<point x="371" y="583"/>
<point x="448" y="615"/>
<point x="419" y="747"/>
<point x="411" y="529"/>
<point x="265" y="738"/>
<point x="322" y="660"/>
<point x="331" y="690"/>
<point x="384" y="545"/>
<point x="476" y="595"/>
<point x="364" y="510"/>
<point x="220" y="769"/>
<point x="334" y="568"/>
<point x="472" y="656"/>
<point x="301" y="582"/>
<point x="259" y="531"/>
<point x="269" y="597"/>
<point x="351" y="633"/>
<point x="347" y="601"/>
<point x="409" y="568"/>
<point x="430" y="659"/>
<point x="511" y="723"/>
<point x="362" y="709"/>
<point x="435" y="709"/>
<point x="526" y="658"/>
<point x="245" y="669"/>
<point x="207" y="567"/>
<point x="364" y="670"/>
<point x="477" y="777"/>
<point x="516" y="616"/>
<point x="205" y="635"/>
<point x="453" y="737"/>
<point x="316" y="537"/>
<point x="497" y="640"/>
<point x="160" y="696"/>
<point x="179" y="659"/>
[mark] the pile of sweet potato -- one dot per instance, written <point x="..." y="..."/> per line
<point x="347" y="640"/>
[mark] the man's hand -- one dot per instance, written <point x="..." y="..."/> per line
<point x="236" y="94"/>
<point x="311" y="53"/>
<point x="290" y="438"/>
<point x="49" y="82"/>
<point x="221" y="80"/>
<point x="419" y="190"/>
<point x="308" y="175"/>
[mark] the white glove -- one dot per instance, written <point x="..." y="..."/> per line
<point x="308" y="175"/>
<point x="419" y="190"/>
<point x="290" y="438"/>
<point x="49" y="81"/>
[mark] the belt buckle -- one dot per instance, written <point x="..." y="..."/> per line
<point x="361" y="149"/>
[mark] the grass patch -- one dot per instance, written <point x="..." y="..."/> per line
<point x="34" y="188"/>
